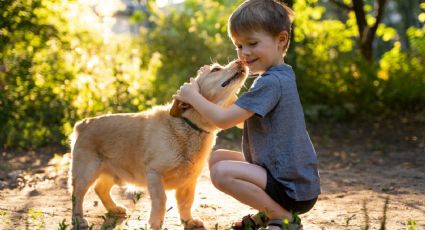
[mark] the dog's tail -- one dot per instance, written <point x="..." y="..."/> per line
<point x="78" y="128"/>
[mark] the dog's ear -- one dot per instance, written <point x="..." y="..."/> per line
<point x="178" y="108"/>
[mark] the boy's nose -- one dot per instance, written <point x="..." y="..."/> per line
<point x="246" y="52"/>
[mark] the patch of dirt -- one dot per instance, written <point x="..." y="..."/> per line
<point x="361" y="165"/>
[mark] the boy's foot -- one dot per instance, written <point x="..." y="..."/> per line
<point x="251" y="222"/>
<point x="278" y="224"/>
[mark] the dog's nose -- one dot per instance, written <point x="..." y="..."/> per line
<point x="239" y="62"/>
<point x="241" y="65"/>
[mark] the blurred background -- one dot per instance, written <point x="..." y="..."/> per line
<point x="61" y="61"/>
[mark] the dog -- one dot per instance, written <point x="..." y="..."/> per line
<point x="162" y="148"/>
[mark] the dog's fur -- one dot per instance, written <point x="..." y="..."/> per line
<point x="151" y="149"/>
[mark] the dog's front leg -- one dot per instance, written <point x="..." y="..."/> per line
<point x="158" y="199"/>
<point x="184" y="197"/>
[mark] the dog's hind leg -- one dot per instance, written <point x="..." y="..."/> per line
<point x="184" y="197"/>
<point x="103" y="188"/>
<point x="85" y="170"/>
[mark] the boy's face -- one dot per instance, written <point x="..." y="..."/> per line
<point x="260" y="50"/>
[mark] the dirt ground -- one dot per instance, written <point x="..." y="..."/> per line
<point x="361" y="165"/>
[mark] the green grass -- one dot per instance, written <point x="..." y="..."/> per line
<point x="35" y="218"/>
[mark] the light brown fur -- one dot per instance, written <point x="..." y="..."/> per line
<point x="149" y="149"/>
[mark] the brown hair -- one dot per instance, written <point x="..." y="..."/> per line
<point x="271" y="16"/>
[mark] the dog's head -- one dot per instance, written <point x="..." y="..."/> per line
<point x="219" y="84"/>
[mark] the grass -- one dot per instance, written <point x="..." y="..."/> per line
<point x="366" y="216"/>
<point x="410" y="225"/>
<point x="63" y="225"/>
<point x="4" y="215"/>
<point x="137" y="196"/>
<point x="34" y="218"/>
<point x="347" y="221"/>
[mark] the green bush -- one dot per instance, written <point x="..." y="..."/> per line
<point x="58" y="68"/>
<point x="31" y="106"/>
<point x="54" y="72"/>
<point x="336" y="82"/>
<point x="187" y="38"/>
<point x="401" y="83"/>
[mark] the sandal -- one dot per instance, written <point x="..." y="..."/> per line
<point x="284" y="225"/>
<point x="251" y="222"/>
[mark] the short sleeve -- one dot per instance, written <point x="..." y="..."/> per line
<point x="262" y="96"/>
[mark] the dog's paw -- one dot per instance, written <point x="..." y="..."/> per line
<point x="79" y="223"/>
<point x="118" y="210"/>
<point x="193" y="224"/>
<point x="155" y="225"/>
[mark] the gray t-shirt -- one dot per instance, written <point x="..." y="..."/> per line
<point x="276" y="137"/>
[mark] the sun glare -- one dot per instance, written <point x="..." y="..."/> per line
<point x="164" y="3"/>
<point x="161" y="3"/>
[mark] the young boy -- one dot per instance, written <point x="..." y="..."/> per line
<point x="277" y="171"/>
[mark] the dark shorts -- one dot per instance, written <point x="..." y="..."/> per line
<point x="278" y="193"/>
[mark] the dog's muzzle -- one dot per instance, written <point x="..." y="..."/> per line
<point x="235" y="76"/>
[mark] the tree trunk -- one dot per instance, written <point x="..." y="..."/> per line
<point x="366" y="33"/>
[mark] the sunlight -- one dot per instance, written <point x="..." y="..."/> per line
<point x="131" y="189"/>
<point x="164" y="3"/>
<point x="105" y="8"/>
<point x="161" y="3"/>
<point x="100" y="15"/>
<point x="177" y="1"/>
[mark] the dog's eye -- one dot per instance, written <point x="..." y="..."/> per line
<point x="215" y="69"/>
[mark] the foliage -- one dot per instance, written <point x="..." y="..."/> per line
<point x="58" y="68"/>
<point x="187" y="38"/>
<point x="326" y="87"/>
<point x="31" y="108"/>
<point x="336" y="82"/>
<point x="402" y="74"/>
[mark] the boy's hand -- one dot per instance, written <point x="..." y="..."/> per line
<point x="187" y="91"/>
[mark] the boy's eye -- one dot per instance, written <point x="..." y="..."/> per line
<point x="253" y="43"/>
<point x="215" y="69"/>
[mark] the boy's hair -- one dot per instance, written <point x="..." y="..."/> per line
<point x="271" y="16"/>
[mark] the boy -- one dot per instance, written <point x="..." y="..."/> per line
<point x="277" y="171"/>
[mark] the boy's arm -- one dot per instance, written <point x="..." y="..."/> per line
<point x="223" y="118"/>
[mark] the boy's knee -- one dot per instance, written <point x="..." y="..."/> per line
<point x="220" y="176"/>
<point x="214" y="157"/>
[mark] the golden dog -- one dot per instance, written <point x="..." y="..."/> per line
<point x="162" y="148"/>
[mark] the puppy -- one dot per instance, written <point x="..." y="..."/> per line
<point x="162" y="148"/>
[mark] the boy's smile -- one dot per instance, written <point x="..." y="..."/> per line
<point x="260" y="50"/>
<point x="251" y="61"/>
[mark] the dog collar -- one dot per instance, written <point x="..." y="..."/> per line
<point x="193" y="125"/>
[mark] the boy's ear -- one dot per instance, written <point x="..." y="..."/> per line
<point x="178" y="108"/>
<point x="283" y="38"/>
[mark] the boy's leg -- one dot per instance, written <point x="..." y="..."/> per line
<point x="224" y="154"/>
<point x="246" y="182"/>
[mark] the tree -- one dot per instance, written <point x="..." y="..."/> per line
<point x="409" y="12"/>
<point x="366" y="32"/>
